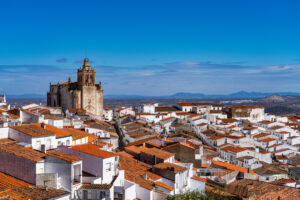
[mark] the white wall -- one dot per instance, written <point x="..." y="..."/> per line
<point x="4" y="133"/>
<point x="197" y="186"/>
<point x="56" y="123"/>
<point x="90" y="164"/>
<point x="64" y="141"/>
<point x="48" y="140"/>
<point x="16" y="135"/>
<point x="143" y="193"/>
<point x="17" y="166"/>
<point x="130" y="190"/>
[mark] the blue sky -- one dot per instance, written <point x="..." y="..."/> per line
<point x="152" y="47"/>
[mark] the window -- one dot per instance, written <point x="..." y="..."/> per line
<point x="108" y="167"/>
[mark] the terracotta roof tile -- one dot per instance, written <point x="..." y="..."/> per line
<point x="165" y="186"/>
<point x="93" y="150"/>
<point x="198" y="178"/>
<point x="233" y="149"/>
<point x="62" y="156"/>
<point x="78" y="134"/>
<point x="231" y="166"/>
<point x="23" y="152"/>
<point x="135" y="171"/>
<point x="170" y="167"/>
<point x="158" y="153"/>
<point x="267" y="140"/>
<point x="9" y="182"/>
<point x="32" y="130"/>
<point x="58" y="131"/>
<point x="185" y="104"/>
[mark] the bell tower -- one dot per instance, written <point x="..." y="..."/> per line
<point x="86" y="75"/>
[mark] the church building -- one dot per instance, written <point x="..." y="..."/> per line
<point x="81" y="94"/>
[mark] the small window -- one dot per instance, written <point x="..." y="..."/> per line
<point x="108" y="167"/>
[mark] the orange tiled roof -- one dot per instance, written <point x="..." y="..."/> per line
<point x="170" y="167"/>
<point x="59" y="132"/>
<point x="261" y="135"/>
<point x="23" y="152"/>
<point x="267" y="140"/>
<point x="6" y="141"/>
<point x="283" y="132"/>
<point x="198" y="178"/>
<point x="78" y="134"/>
<point x="93" y="150"/>
<point x="166" y="119"/>
<point x="233" y="149"/>
<point x="275" y="127"/>
<point x="140" y="142"/>
<point x="135" y="171"/>
<point x="216" y="137"/>
<point x="123" y="153"/>
<point x="229" y="120"/>
<point x="274" y="145"/>
<point x="9" y="182"/>
<point x="184" y="113"/>
<point x="32" y="130"/>
<point x="231" y="166"/>
<point x="158" y="153"/>
<point x="259" y="190"/>
<point x="101" y="143"/>
<point x="63" y="156"/>
<point x="10" y="194"/>
<point x="205" y="166"/>
<point x="185" y="104"/>
<point x="231" y="127"/>
<point x="104" y="123"/>
<point x="53" y="117"/>
<point x="135" y="149"/>
<point x="165" y="186"/>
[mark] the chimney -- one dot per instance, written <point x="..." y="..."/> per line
<point x="43" y="148"/>
<point x="43" y="126"/>
<point x="145" y="176"/>
<point x="155" y="160"/>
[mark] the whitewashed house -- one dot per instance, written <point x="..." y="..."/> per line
<point x="108" y="114"/>
<point x="97" y="162"/>
<point x="35" y="134"/>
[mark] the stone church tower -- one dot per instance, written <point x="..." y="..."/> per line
<point x="81" y="94"/>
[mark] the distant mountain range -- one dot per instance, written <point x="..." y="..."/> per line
<point x="236" y="95"/>
<point x="240" y="94"/>
<point x="25" y="96"/>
